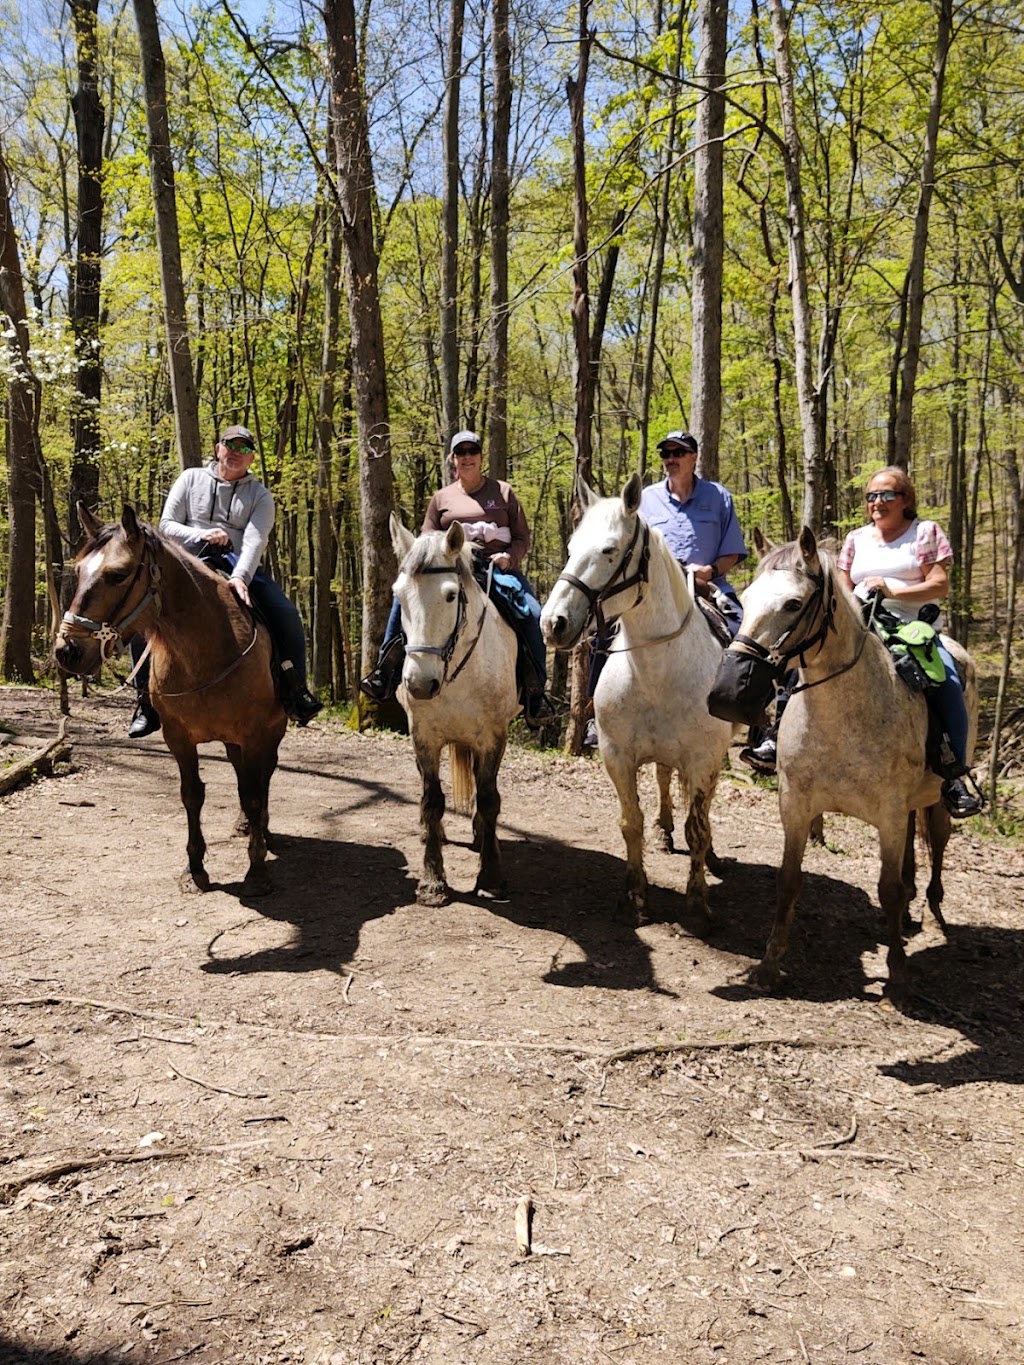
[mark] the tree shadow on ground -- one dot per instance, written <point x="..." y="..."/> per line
<point x="572" y="892"/>
<point x="13" y="1354"/>
<point x="327" y="890"/>
<point x="973" y="982"/>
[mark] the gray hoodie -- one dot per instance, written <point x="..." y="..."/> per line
<point x="199" y="501"/>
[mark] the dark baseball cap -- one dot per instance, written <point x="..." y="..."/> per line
<point x="679" y="438"/>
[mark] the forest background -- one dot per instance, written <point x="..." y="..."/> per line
<point x="394" y="220"/>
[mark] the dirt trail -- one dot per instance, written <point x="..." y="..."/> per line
<point x="298" y="1129"/>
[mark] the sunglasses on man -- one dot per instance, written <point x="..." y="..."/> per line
<point x="244" y="446"/>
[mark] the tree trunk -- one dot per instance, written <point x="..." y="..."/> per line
<point x="356" y="203"/>
<point x="327" y="548"/>
<point x="660" y="238"/>
<point x="161" y="166"/>
<point x="708" y="233"/>
<point x="22" y="463"/>
<point x="901" y="411"/>
<point x="497" y="411"/>
<point x="84" y="302"/>
<point x="450" y="414"/>
<point x="582" y="372"/>
<point x="806" y="387"/>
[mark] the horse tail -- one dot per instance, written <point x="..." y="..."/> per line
<point x="460" y="760"/>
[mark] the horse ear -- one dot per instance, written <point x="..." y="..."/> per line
<point x="631" y="493"/>
<point x="87" y="521"/>
<point x="130" y="522"/>
<point x="761" y="543"/>
<point x="401" y="538"/>
<point x="808" y="547"/>
<point x="586" y="495"/>
<point x="456" y="537"/>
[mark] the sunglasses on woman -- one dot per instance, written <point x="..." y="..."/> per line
<point x="883" y="495"/>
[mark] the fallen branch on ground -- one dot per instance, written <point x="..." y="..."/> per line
<point x="38" y="765"/>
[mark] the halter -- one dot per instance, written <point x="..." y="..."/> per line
<point x="447" y="650"/>
<point x="596" y="596"/>
<point x="111" y="633"/>
<point x="777" y="656"/>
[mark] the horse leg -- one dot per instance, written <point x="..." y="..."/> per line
<point x="698" y="841"/>
<point x="193" y="794"/>
<point x="488" y="806"/>
<point x="661" y="835"/>
<point x="937" y="824"/>
<point x="631" y="823"/>
<point x="909" y="872"/>
<point x="892" y="895"/>
<point x="432" y="889"/>
<point x="767" y="975"/>
<point x="253" y="777"/>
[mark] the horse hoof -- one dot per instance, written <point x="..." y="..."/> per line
<point x="764" y="978"/>
<point x="492" y="891"/>
<point x="192" y="884"/>
<point x="661" y="841"/>
<point x="896" y="995"/>
<point x="432" y="895"/>
<point x="241" y="829"/>
<point x="257" y="883"/>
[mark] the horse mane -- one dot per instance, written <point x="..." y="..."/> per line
<point x="788" y="556"/>
<point x="423" y="555"/>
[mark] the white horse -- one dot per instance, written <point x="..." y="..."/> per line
<point x="650" y="703"/>
<point x="852" y="737"/>
<point x="458" y="688"/>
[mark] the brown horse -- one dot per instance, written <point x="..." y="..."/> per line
<point x="210" y="674"/>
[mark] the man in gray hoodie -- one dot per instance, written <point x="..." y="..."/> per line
<point x="222" y="513"/>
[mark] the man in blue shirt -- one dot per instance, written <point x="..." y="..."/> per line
<point x="698" y="520"/>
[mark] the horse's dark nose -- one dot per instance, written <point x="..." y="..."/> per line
<point x="67" y="653"/>
<point x="554" y="629"/>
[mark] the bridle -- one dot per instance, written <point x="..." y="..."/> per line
<point x="597" y="596"/>
<point x="110" y="634"/>
<point x="446" y="651"/>
<point x="778" y="656"/>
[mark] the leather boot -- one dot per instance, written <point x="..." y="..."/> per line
<point x="145" y="721"/>
<point x="383" y="682"/>
<point x="296" y="698"/>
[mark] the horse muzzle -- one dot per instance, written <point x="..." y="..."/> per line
<point x="562" y="624"/>
<point x="743" y="688"/>
<point x="80" y="658"/>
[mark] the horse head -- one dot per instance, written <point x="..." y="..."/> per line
<point x="788" y="611"/>
<point x="608" y="555"/>
<point x="434" y="584"/>
<point x="114" y="584"/>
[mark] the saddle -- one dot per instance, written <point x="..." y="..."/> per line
<point x="717" y="610"/>
<point x="914" y="646"/>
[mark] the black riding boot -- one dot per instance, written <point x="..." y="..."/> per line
<point x="296" y="698"/>
<point x="145" y="721"/>
<point x="383" y="682"/>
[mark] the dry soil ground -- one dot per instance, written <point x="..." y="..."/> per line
<point x="299" y="1129"/>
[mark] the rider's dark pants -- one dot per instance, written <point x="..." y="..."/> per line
<point x="949" y="702"/>
<point x="280" y="613"/>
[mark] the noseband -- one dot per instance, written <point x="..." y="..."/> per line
<point x="446" y="651"/>
<point x="111" y="633"/>
<point x="597" y="596"/>
<point x="778" y="656"/>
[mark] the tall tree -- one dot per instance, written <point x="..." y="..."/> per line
<point x="708" y="231"/>
<point x="357" y="205"/>
<point x="161" y="165"/>
<point x="796" y="218"/>
<point x="497" y="412"/>
<point x="907" y="351"/>
<point x="450" y="414"/>
<point x="22" y="452"/>
<point x="84" y="303"/>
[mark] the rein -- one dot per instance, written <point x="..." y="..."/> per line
<point x="597" y="596"/>
<point x="446" y="651"/>
<point x="777" y="657"/>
